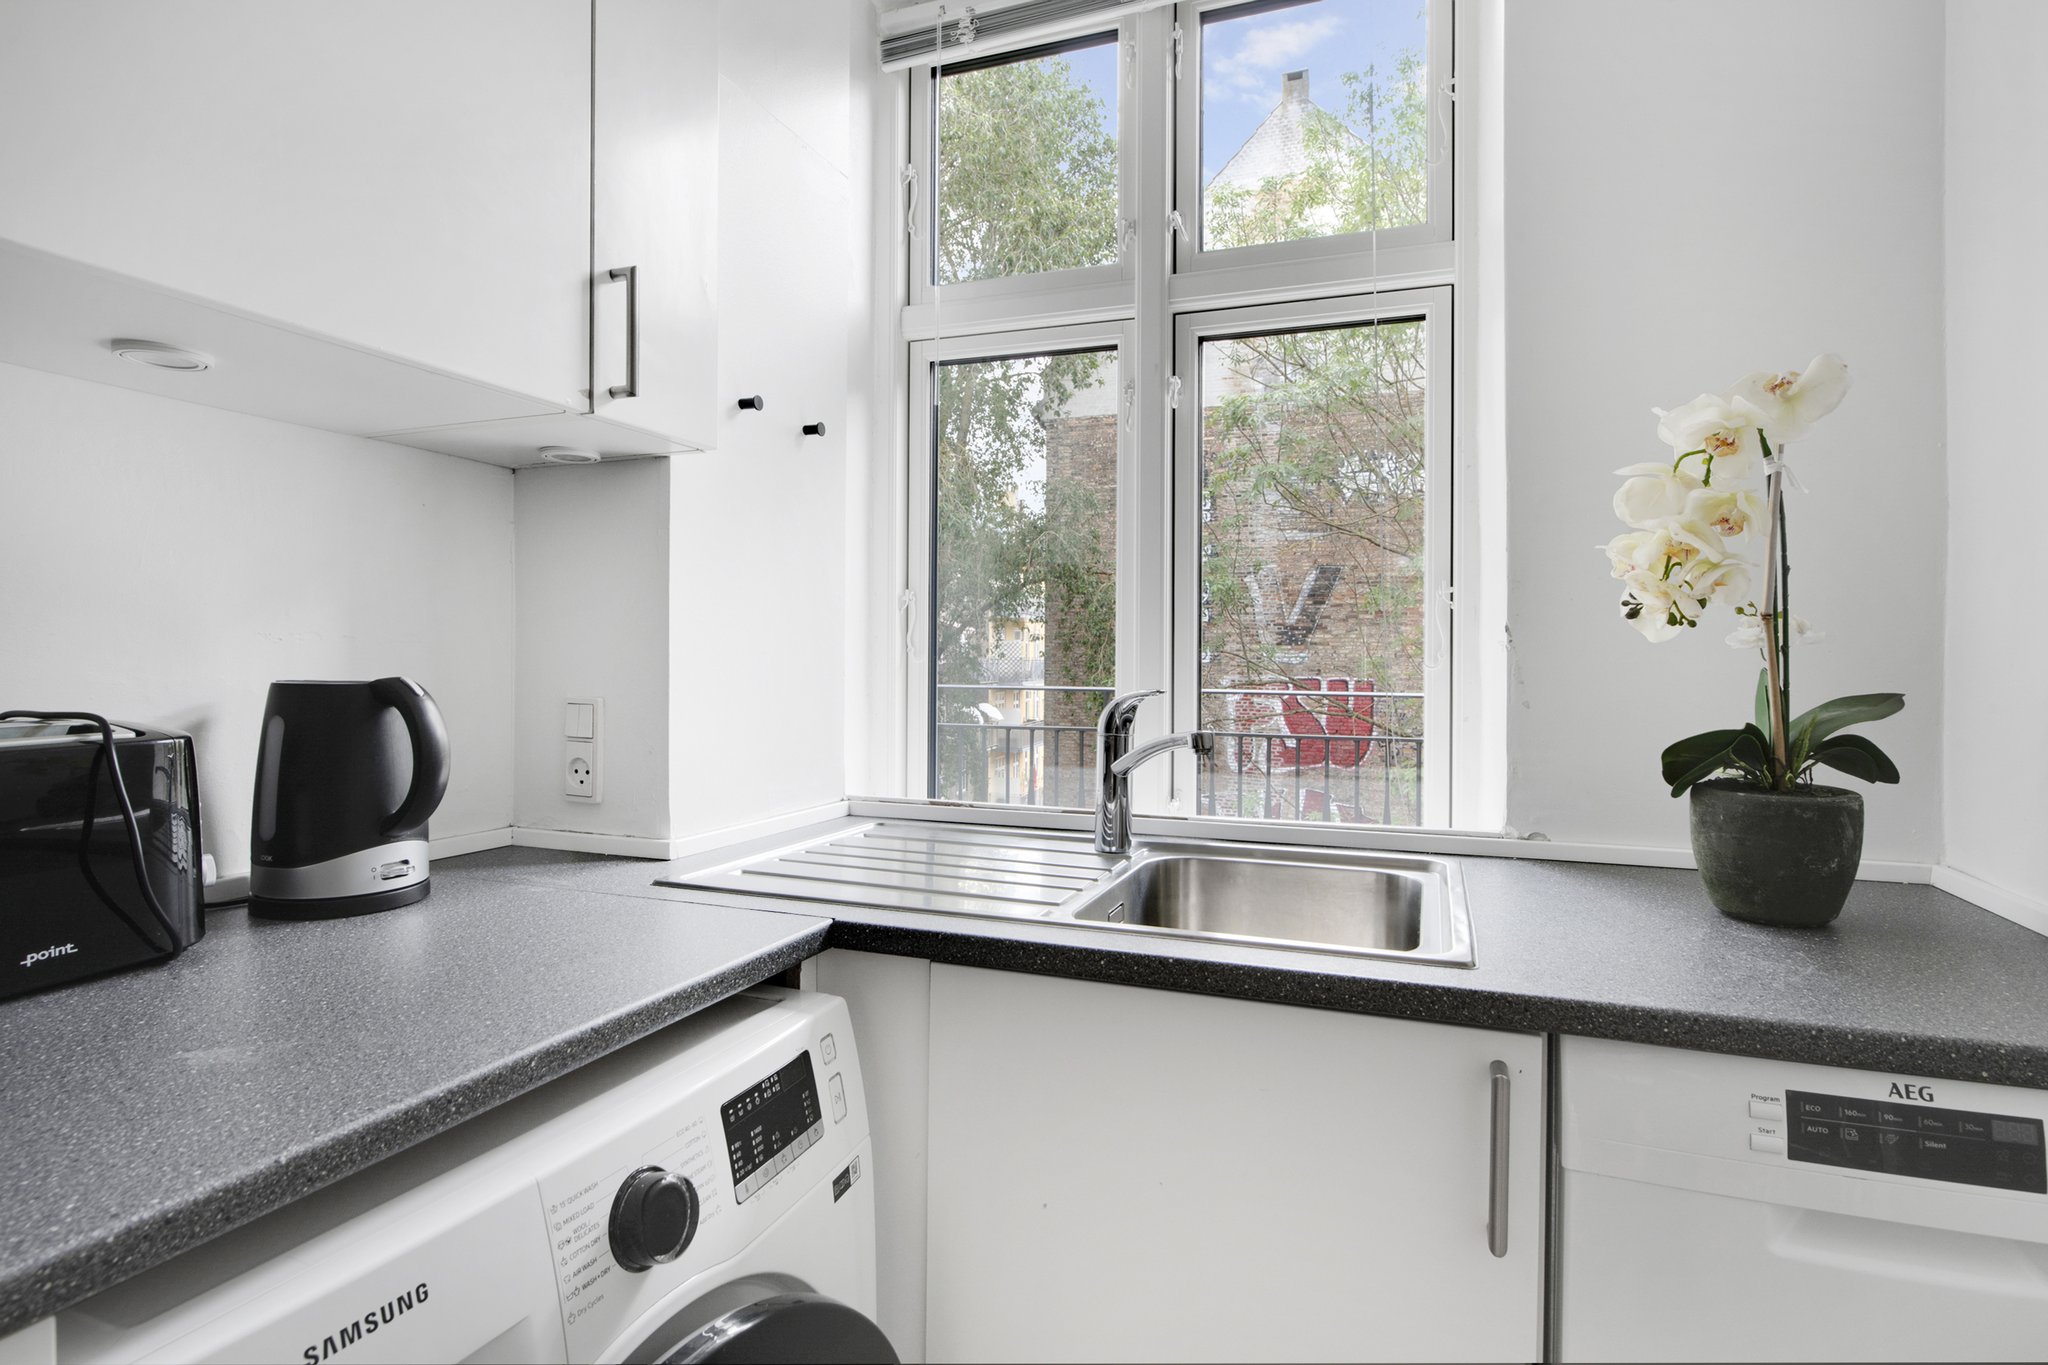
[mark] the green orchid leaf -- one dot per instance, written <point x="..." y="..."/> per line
<point x="1701" y="756"/>
<point x="1858" y="757"/>
<point x="1693" y="750"/>
<point x="1754" y="748"/>
<point x="1684" y="782"/>
<point x="1813" y="726"/>
<point x="1763" y="702"/>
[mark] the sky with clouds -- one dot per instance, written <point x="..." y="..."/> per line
<point x="1244" y="58"/>
<point x="1245" y="55"/>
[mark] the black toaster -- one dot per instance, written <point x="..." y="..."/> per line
<point x="99" y="848"/>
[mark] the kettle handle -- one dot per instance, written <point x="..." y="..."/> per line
<point x="429" y="735"/>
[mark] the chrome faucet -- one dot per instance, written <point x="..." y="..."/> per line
<point x="1114" y="759"/>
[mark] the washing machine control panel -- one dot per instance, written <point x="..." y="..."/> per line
<point x="699" y="1158"/>
<point x="771" y="1124"/>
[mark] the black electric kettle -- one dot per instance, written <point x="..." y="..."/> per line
<point x="346" y="775"/>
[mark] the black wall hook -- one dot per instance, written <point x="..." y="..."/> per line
<point x="814" y="428"/>
<point x="753" y="403"/>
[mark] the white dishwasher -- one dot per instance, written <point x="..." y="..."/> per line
<point x="1729" y="1208"/>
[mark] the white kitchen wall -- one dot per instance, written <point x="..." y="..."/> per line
<point x="593" y="594"/>
<point x="874" y="419"/>
<point x="164" y="562"/>
<point x="1694" y="191"/>
<point x="1996" y="729"/>
<point x="758" y="673"/>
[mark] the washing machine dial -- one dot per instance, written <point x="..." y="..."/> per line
<point x="653" y="1218"/>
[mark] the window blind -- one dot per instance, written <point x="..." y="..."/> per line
<point x="993" y="25"/>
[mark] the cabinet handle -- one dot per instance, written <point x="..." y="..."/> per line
<point x="631" y="275"/>
<point x="1497" y="1186"/>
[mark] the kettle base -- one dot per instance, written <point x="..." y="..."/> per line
<point x="340" y="907"/>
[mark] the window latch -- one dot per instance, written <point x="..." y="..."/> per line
<point x="1437" y="636"/>
<point x="906" y="603"/>
<point x="910" y="199"/>
<point x="1176" y="51"/>
<point x="1176" y="226"/>
<point x="1173" y="391"/>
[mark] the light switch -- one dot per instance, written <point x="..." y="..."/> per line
<point x="579" y="720"/>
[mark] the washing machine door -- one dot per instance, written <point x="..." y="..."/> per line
<point x="806" y="1328"/>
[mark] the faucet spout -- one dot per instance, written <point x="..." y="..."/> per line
<point x="1115" y="758"/>
<point x="1199" y="740"/>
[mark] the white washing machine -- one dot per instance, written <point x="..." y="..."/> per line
<point x="702" y="1195"/>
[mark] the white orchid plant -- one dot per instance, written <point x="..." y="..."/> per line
<point x="1692" y="520"/>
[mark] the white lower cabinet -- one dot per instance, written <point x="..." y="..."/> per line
<point x="1127" y="1174"/>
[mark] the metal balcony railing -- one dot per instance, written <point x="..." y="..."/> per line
<point x="1261" y="769"/>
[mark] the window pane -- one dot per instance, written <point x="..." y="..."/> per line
<point x="1024" y="576"/>
<point x="1028" y="164"/>
<point x="1315" y="120"/>
<point x="1313" y="571"/>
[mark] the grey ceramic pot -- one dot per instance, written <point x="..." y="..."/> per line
<point x="1773" y="857"/>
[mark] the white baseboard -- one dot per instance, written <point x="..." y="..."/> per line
<point x="576" y="841"/>
<point x="231" y="889"/>
<point x="682" y="846"/>
<point x="708" y="840"/>
<point x="455" y="845"/>
<point x="2024" y="911"/>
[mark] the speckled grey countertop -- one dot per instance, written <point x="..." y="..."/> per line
<point x="1909" y="979"/>
<point x="149" y="1111"/>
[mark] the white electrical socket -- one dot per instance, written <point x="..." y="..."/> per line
<point x="579" y="769"/>
<point x="583" y="749"/>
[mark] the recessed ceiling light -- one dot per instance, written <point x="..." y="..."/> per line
<point x="159" y="354"/>
<point x="569" y="455"/>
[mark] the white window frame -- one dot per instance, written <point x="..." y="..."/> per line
<point x="1117" y="337"/>
<point x="1390" y="258"/>
<point x="1101" y="290"/>
<point x="1144" y="305"/>
<point x="1440" y="503"/>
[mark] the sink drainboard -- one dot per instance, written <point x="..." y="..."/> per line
<point x="907" y="866"/>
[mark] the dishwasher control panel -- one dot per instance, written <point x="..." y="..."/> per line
<point x="1962" y="1146"/>
<point x="1815" y="1136"/>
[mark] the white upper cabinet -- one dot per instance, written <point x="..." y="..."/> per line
<point x="431" y="199"/>
<point x="654" y="219"/>
<point x="409" y="178"/>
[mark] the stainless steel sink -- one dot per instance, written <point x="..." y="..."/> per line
<point x="1369" y="904"/>
<point x="1404" y="907"/>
